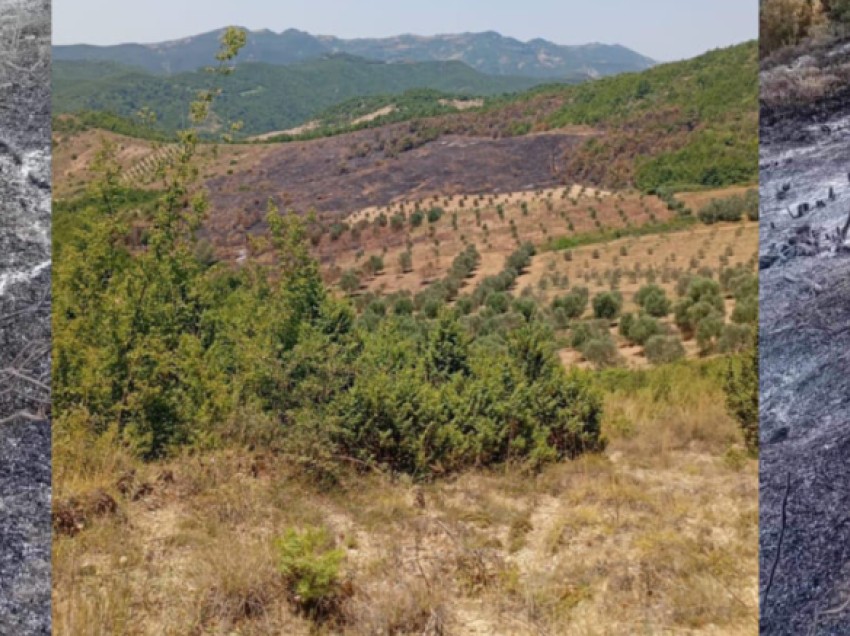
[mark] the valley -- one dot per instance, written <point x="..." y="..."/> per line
<point x="486" y="370"/>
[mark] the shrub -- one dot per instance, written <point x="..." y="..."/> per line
<point x="435" y="214"/>
<point x="626" y="322"/>
<point x="587" y="331"/>
<point x="405" y="261"/>
<point x="499" y="302"/>
<point x="644" y="328"/>
<point x="310" y="565"/>
<point x="417" y="218"/>
<point x="403" y="306"/>
<point x="601" y="353"/>
<point x="526" y="307"/>
<point x="664" y="349"/>
<point x="709" y="330"/>
<point x="573" y="304"/>
<point x="742" y="394"/>
<point x="607" y="305"/>
<point x="349" y="282"/>
<point x="653" y="300"/>
<point x="735" y="338"/>
<point x="376" y="264"/>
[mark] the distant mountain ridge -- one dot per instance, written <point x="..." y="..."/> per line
<point x="487" y="52"/>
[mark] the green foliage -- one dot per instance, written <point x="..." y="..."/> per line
<point x="742" y="394"/>
<point x="714" y="95"/>
<point x="735" y="338"/>
<point x="601" y="353"/>
<point x="269" y="97"/>
<point x="653" y="301"/>
<point x="606" y="236"/>
<point x="703" y="302"/>
<point x="435" y="214"/>
<point x="607" y="305"/>
<point x="171" y="352"/>
<point x="349" y="282"/>
<point x="310" y="565"/>
<point x="731" y="209"/>
<point x="573" y="304"/>
<point x="644" y="328"/>
<point x="664" y="349"/>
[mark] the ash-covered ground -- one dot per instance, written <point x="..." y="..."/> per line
<point x="24" y="317"/>
<point x="805" y="347"/>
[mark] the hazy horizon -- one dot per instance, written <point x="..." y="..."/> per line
<point x="664" y="30"/>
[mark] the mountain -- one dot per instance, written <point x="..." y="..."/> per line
<point x="496" y="54"/>
<point x="487" y="52"/>
<point x="264" y="97"/>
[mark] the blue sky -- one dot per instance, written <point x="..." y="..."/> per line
<point x="662" y="29"/>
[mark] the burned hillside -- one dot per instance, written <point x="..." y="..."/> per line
<point x="805" y="392"/>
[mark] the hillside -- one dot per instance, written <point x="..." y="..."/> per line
<point x="487" y="52"/>
<point x="416" y="376"/>
<point x="683" y="125"/>
<point x="263" y="96"/>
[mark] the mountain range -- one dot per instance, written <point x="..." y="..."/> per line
<point x="487" y="52"/>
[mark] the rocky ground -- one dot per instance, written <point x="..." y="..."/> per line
<point x="805" y="337"/>
<point x="24" y="317"/>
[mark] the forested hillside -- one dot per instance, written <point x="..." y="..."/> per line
<point x="264" y="97"/>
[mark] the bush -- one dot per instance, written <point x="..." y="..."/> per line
<point x="742" y="394"/>
<point x="626" y="322"/>
<point x="310" y="566"/>
<point x="416" y="218"/>
<point x="405" y="261"/>
<point x="644" y="328"/>
<point x="466" y="404"/>
<point x="664" y="349"/>
<point x="653" y="300"/>
<point x="586" y="331"/>
<point x="709" y="330"/>
<point x="499" y="302"/>
<point x="573" y="304"/>
<point x="735" y="338"/>
<point x="601" y="353"/>
<point x="376" y="264"/>
<point x="703" y="300"/>
<point x="435" y="214"/>
<point x="526" y="307"/>
<point x="349" y="282"/>
<point x="730" y="209"/>
<point x="403" y="306"/>
<point x="607" y="305"/>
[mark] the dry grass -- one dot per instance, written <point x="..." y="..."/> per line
<point x="659" y="535"/>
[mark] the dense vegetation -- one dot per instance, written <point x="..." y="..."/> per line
<point x="263" y="96"/>
<point x="166" y="349"/>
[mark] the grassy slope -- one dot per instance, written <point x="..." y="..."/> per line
<point x="603" y="545"/>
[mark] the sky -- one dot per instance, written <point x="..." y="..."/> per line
<point x="664" y="30"/>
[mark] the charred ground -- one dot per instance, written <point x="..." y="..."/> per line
<point x="805" y="482"/>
